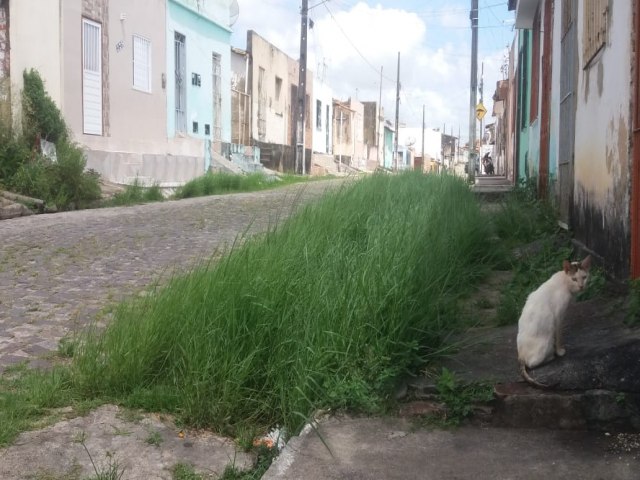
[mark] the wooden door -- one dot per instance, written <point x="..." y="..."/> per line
<point x="635" y="178"/>
<point x="546" y="98"/>
<point x="568" y="78"/>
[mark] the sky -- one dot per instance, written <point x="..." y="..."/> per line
<point x="352" y="39"/>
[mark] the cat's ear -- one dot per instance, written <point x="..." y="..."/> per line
<point x="586" y="263"/>
<point x="566" y="266"/>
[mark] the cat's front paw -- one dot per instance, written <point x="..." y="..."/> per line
<point x="560" y="352"/>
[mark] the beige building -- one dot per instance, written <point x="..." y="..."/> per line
<point x="273" y="89"/>
<point x="348" y="133"/>
<point x="104" y="64"/>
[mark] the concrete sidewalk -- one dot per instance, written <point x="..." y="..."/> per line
<point x="396" y="448"/>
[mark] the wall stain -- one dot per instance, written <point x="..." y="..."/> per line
<point x="600" y="78"/>
<point x="601" y="232"/>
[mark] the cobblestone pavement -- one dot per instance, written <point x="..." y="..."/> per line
<point x="58" y="273"/>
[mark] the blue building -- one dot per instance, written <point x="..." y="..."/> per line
<point x="198" y="79"/>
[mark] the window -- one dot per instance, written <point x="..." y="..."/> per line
<point x="595" y="28"/>
<point x="318" y="114"/>
<point x="141" y="64"/>
<point x="278" y="88"/>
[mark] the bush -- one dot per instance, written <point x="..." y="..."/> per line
<point x="63" y="183"/>
<point x="13" y="153"/>
<point x="41" y="118"/>
<point x="31" y="179"/>
<point x="71" y="186"/>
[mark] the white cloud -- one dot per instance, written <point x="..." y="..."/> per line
<point x="349" y="47"/>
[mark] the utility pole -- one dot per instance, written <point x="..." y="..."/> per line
<point x="474" y="85"/>
<point x="302" y="91"/>
<point x="423" y="161"/>
<point x="481" y="89"/>
<point x="395" y="141"/>
<point x="452" y="146"/>
<point x="378" y="119"/>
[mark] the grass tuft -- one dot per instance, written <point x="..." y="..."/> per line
<point x="220" y="183"/>
<point x="136" y="193"/>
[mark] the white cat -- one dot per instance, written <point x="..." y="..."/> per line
<point x="540" y="325"/>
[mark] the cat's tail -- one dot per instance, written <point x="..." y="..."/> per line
<point x="528" y="378"/>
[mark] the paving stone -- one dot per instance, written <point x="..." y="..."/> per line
<point x="60" y="270"/>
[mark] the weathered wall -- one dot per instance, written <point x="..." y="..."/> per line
<point x="240" y="98"/>
<point x="322" y="132"/>
<point x="602" y="143"/>
<point x="37" y="48"/>
<point x="271" y="93"/>
<point x="554" y="116"/>
<point x="5" y="72"/>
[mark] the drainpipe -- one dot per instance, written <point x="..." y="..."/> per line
<point x="341" y="146"/>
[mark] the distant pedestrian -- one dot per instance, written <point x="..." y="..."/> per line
<point x="487" y="164"/>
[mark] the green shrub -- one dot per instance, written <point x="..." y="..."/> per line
<point x="63" y="183"/>
<point x="32" y="179"/>
<point x="41" y="117"/>
<point x="72" y="186"/>
<point x="13" y="153"/>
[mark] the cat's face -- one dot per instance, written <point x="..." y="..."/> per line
<point x="578" y="274"/>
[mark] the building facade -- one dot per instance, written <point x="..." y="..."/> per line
<point x="106" y="64"/>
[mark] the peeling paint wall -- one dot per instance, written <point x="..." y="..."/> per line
<point x="271" y="91"/>
<point x="5" y="73"/>
<point x="554" y="116"/>
<point x="602" y="143"/>
<point x="37" y="48"/>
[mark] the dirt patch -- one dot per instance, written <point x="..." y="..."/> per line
<point x="143" y="446"/>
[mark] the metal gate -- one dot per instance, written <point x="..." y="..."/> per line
<point x="568" y="77"/>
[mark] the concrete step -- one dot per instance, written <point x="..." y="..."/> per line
<point x="595" y="386"/>
<point x="522" y="406"/>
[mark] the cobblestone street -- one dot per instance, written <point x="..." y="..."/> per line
<point x="58" y="273"/>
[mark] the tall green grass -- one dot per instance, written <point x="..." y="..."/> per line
<point x="324" y="311"/>
<point x="219" y="183"/>
<point x="136" y="193"/>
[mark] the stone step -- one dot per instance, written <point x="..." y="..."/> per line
<point x="595" y="386"/>
<point x="519" y="405"/>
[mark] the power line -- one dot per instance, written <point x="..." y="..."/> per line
<point x="354" y="45"/>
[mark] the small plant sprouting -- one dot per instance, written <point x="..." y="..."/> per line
<point x="67" y="347"/>
<point x="633" y="309"/>
<point x="112" y="471"/>
<point x="460" y="399"/>
<point x="154" y="438"/>
<point x="184" y="471"/>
